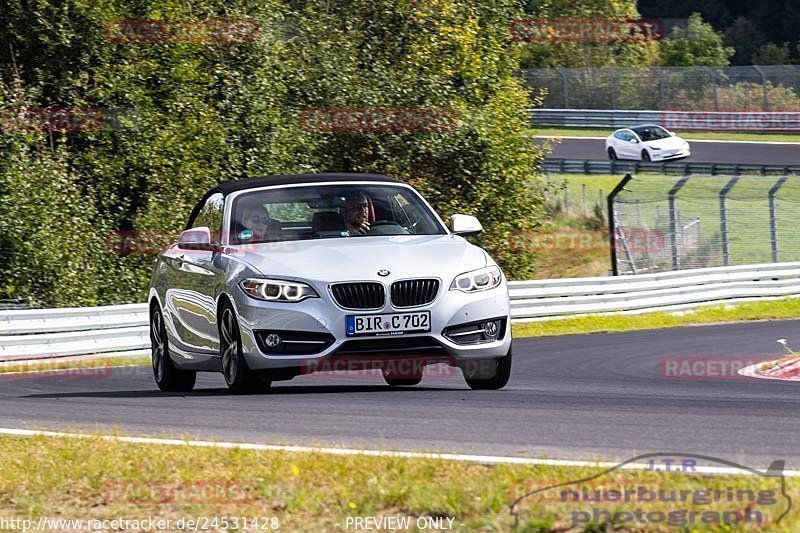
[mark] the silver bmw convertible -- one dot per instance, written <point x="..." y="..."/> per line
<point x="280" y="276"/>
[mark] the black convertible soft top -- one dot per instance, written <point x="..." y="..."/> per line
<point x="267" y="181"/>
<point x="288" y="179"/>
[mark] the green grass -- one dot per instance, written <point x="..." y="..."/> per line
<point x="688" y="135"/>
<point x="104" y="479"/>
<point x="787" y="308"/>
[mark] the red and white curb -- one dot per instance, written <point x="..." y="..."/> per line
<point x="783" y="369"/>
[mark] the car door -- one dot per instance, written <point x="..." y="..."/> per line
<point x="627" y="148"/>
<point x="198" y="278"/>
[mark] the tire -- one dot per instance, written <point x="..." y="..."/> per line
<point x="488" y="374"/>
<point x="645" y="156"/>
<point x="612" y="154"/>
<point x="399" y="380"/>
<point x="238" y="376"/>
<point x="167" y="377"/>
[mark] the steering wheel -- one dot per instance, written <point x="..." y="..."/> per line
<point x="387" y="227"/>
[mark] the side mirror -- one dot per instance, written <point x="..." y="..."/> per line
<point x="635" y="140"/>
<point x="465" y="225"/>
<point x="672" y="134"/>
<point x="196" y="239"/>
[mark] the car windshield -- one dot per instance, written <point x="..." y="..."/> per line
<point x="651" y="133"/>
<point x="329" y="211"/>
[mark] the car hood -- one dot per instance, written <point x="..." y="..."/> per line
<point x="669" y="143"/>
<point x="360" y="258"/>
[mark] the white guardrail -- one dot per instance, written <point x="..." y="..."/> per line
<point x="123" y="329"/>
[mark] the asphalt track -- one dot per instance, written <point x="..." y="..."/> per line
<point x="596" y="396"/>
<point x="702" y="152"/>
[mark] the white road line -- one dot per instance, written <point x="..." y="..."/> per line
<point x="482" y="459"/>
<point x="689" y="140"/>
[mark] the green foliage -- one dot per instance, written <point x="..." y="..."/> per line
<point x="695" y="45"/>
<point x="198" y="114"/>
<point x="772" y="54"/>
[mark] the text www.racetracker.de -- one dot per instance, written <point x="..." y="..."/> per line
<point x="199" y="523"/>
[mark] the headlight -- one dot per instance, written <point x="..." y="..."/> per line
<point x="654" y="147"/>
<point x="477" y="280"/>
<point x="275" y="290"/>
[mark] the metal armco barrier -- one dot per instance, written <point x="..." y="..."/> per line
<point x="601" y="166"/>
<point x="33" y="334"/>
<point x="679" y="120"/>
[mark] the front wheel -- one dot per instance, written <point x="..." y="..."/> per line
<point x="238" y="376"/>
<point x="645" y="156"/>
<point x="167" y="377"/>
<point x="488" y="374"/>
<point x="612" y="154"/>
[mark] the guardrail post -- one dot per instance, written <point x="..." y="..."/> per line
<point x="723" y="218"/>
<point x="673" y="222"/>
<point x="612" y="228"/>
<point x="773" y="218"/>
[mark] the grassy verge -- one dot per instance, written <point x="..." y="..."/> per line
<point x="100" y="479"/>
<point x="693" y="135"/>
<point x="775" y="309"/>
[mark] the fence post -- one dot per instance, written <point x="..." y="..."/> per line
<point x="723" y="218"/>
<point x="566" y="87"/>
<point x="583" y="199"/>
<point x="773" y="219"/>
<point x="713" y="86"/>
<point x="612" y="228"/>
<point x="763" y="86"/>
<point x="661" y="89"/>
<point x="613" y="90"/>
<point x="673" y="222"/>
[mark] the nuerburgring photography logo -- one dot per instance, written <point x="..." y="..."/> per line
<point x="656" y="490"/>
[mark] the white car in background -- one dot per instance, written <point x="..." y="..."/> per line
<point x="648" y="142"/>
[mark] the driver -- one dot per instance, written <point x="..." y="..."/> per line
<point x="356" y="214"/>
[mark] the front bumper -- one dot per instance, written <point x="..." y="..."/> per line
<point x="666" y="155"/>
<point x="322" y="318"/>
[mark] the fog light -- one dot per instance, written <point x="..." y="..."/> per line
<point x="490" y="329"/>
<point x="272" y="340"/>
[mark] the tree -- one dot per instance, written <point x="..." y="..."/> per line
<point x="695" y="45"/>
<point x="745" y="39"/>
<point x="772" y="54"/>
<point x="205" y="113"/>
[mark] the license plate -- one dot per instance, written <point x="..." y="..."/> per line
<point x="392" y="324"/>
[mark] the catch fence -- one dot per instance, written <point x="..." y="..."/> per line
<point x="736" y="88"/>
<point x="662" y="223"/>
